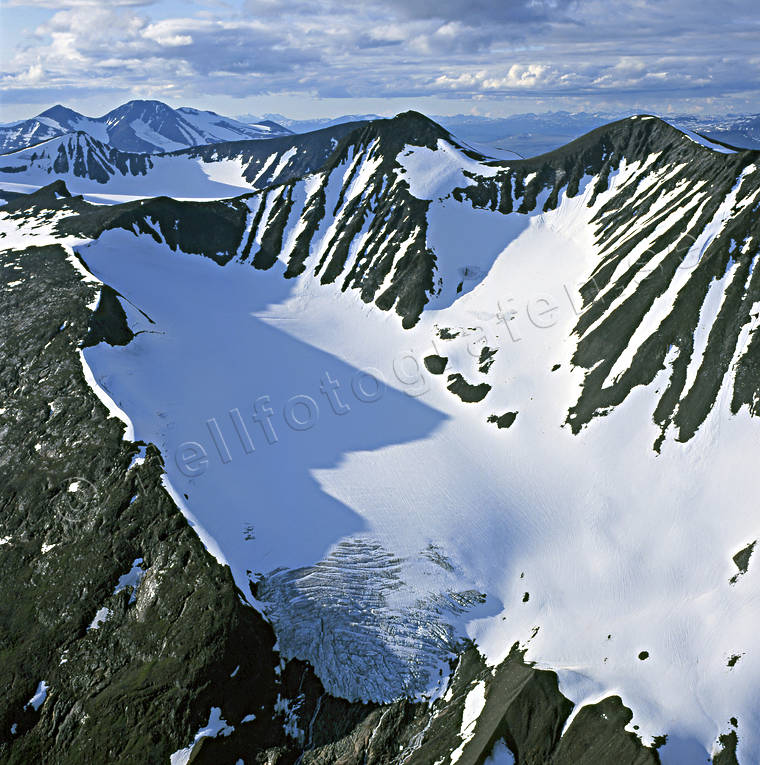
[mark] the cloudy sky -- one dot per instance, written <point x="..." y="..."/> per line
<point x="307" y="58"/>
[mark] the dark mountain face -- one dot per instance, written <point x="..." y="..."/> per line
<point x="617" y="300"/>
<point x="79" y="155"/>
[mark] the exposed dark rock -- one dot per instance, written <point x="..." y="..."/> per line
<point x="741" y="559"/>
<point x="597" y="734"/>
<point x="470" y="394"/>
<point x="727" y="755"/>
<point x="504" y="420"/>
<point x="213" y="229"/>
<point x="486" y="358"/>
<point x="435" y="364"/>
<point x="109" y="321"/>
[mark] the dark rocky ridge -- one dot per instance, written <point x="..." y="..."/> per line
<point x="313" y="151"/>
<point x="389" y="217"/>
<point x="600" y="346"/>
<point x="605" y="330"/>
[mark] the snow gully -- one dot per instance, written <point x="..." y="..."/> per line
<point x="300" y="412"/>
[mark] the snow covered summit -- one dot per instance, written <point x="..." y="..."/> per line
<point x="137" y="127"/>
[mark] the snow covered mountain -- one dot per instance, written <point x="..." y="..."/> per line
<point x="51" y="123"/>
<point x="137" y="127"/>
<point x="218" y="170"/>
<point x="432" y="409"/>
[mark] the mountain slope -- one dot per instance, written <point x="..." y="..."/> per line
<point x="136" y="127"/>
<point x="142" y="645"/>
<point x="150" y="126"/>
<point x="207" y="172"/>
<point x="374" y="199"/>
<point x="478" y="494"/>
<point x="76" y="155"/>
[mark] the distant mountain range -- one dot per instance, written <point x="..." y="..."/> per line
<point x="740" y="130"/>
<point x="137" y="126"/>
<point x="152" y="127"/>
<point x="532" y="134"/>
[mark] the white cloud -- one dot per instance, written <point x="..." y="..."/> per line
<point x="540" y="49"/>
<point x="60" y="4"/>
<point x="163" y="36"/>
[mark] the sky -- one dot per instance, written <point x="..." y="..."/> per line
<point x="320" y="58"/>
